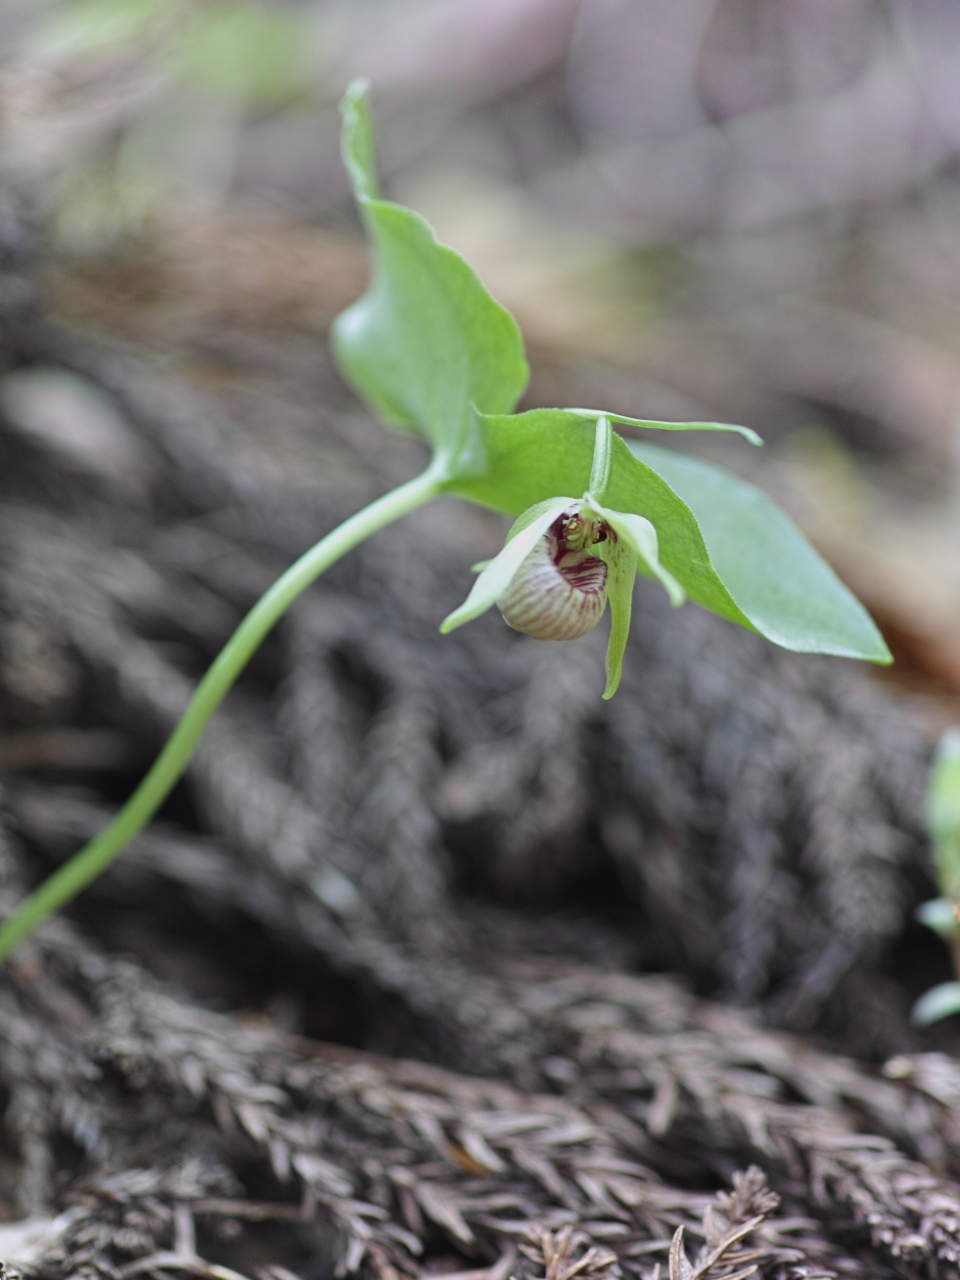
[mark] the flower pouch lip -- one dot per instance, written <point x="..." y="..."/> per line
<point x="559" y="591"/>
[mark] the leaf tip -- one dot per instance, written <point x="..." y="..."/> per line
<point x="357" y="143"/>
<point x="883" y="657"/>
<point x="359" y="87"/>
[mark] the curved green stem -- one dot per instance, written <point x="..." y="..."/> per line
<point x="239" y="649"/>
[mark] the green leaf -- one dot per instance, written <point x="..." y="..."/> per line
<point x="939" y="915"/>
<point x="594" y="414"/>
<point x="939" y="1002"/>
<point x="782" y="586"/>
<point x="426" y="343"/>
<point x="943" y="813"/>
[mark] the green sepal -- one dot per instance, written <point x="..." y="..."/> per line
<point x="641" y="535"/>
<point x="635" y="543"/>
<point x="621" y="561"/>
<point x="602" y="459"/>
<point x="747" y="432"/>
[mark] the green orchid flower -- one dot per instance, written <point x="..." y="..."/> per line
<point x="563" y="560"/>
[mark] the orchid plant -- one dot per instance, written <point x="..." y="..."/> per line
<point x="432" y="353"/>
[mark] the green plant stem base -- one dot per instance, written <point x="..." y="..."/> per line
<point x="96" y="856"/>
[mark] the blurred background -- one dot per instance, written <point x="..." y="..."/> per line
<point x="449" y="849"/>
<point x="745" y="210"/>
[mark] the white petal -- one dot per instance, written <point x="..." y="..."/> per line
<point x="495" y="578"/>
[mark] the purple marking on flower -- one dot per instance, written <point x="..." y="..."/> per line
<point x="560" y="590"/>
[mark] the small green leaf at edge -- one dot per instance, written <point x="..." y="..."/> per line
<point x="426" y="342"/>
<point x="943" y="812"/>
<point x="788" y="592"/>
<point x="939" y="1002"/>
<point x="939" y="915"/>
<point x="747" y="432"/>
